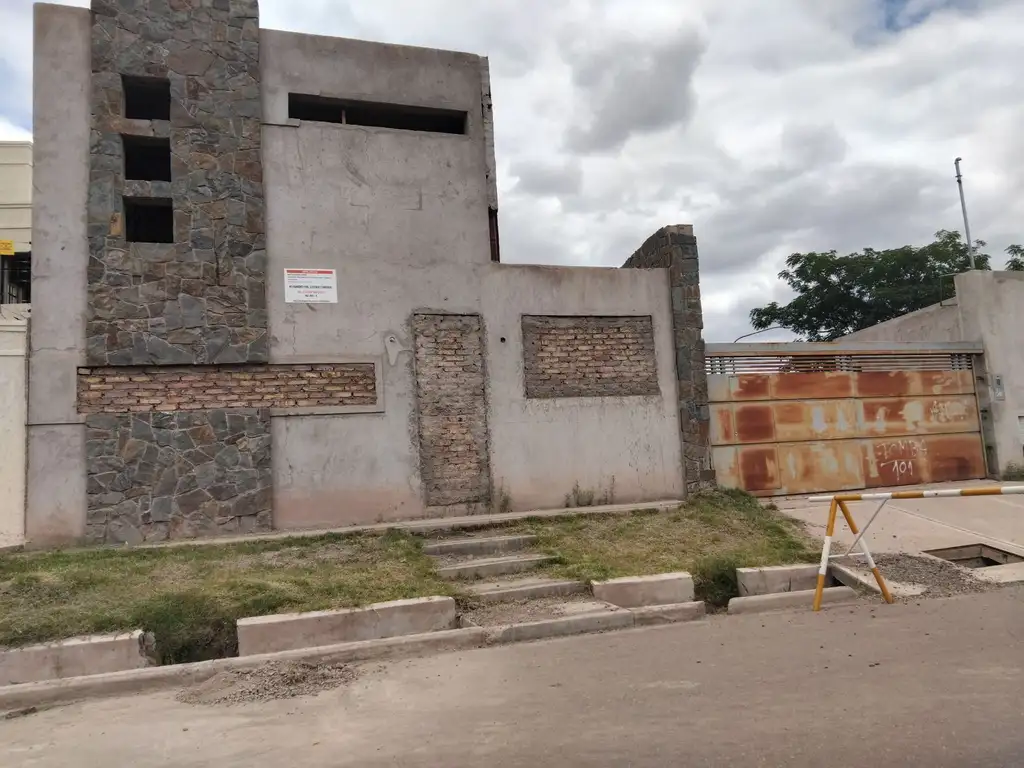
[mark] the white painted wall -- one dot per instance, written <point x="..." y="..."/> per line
<point x="939" y="322"/>
<point x="13" y="414"/>
<point x="992" y="310"/>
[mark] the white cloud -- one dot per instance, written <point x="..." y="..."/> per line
<point x="770" y="126"/>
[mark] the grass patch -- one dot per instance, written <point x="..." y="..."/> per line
<point x="710" y="536"/>
<point x="190" y="597"/>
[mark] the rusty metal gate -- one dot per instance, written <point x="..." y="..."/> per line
<point x="805" y="417"/>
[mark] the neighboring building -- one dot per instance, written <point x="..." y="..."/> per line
<point x="267" y="292"/>
<point x="15" y="221"/>
<point x="989" y="309"/>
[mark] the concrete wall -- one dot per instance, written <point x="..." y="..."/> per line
<point x="403" y="218"/>
<point x="939" y="322"/>
<point x="61" y="121"/>
<point x="16" y="194"/>
<point x="13" y="413"/>
<point x="992" y="310"/>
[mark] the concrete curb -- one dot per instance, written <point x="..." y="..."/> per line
<point x="637" y="591"/>
<point x="293" y="631"/>
<point x="76" y="656"/>
<point x="773" y="579"/>
<point x="552" y="588"/>
<point x="570" y="625"/>
<point x="786" y="600"/>
<point x="51" y="692"/>
<point x="653" y="615"/>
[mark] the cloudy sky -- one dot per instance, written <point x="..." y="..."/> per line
<point x="772" y="126"/>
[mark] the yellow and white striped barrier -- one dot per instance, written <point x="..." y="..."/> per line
<point x="837" y="503"/>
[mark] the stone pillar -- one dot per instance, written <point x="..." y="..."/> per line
<point x="675" y="248"/>
<point x="177" y="267"/>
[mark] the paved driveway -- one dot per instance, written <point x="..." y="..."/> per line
<point x="912" y="525"/>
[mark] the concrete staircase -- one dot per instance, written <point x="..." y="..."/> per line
<point x="497" y="566"/>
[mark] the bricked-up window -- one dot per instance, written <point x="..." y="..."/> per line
<point x="320" y="109"/>
<point x="146" y="98"/>
<point x="148" y="220"/>
<point x="147" y="158"/>
<point x="589" y="356"/>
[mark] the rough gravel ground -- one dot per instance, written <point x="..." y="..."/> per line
<point x="275" y="680"/>
<point x="941" y="578"/>
<point x="520" y="611"/>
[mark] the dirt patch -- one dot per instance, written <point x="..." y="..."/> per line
<point x="276" y="680"/>
<point x="942" y="579"/>
<point x="522" y="611"/>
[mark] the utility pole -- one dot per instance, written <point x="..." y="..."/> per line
<point x="963" y="207"/>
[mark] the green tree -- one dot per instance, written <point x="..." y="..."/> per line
<point x="1016" y="261"/>
<point x="837" y="295"/>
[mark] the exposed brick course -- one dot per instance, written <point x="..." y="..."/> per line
<point x="452" y="409"/>
<point x="589" y="356"/>
<point x="190" y="388"/>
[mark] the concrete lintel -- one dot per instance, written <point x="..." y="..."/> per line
<point x="74" y="657"/>
<point x="636" y="591"/>
<point x="288" y="631"/>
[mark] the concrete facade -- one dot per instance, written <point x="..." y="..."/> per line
<point x="989" y="307"/>
<point x="375" y="162"/>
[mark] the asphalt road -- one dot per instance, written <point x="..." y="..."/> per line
<point x="932" y="684"/>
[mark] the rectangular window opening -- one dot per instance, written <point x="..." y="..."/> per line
<point x="492" y="220"/>
<point x="321" y="109"/>
<point x="146" y="98"/>
<point x="146" y="158"/>
<point x="149" y="220"/>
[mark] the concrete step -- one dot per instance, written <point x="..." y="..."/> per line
<point x="482" y="568"/>
<point x="479" y="545"/>
<point x="525" y="588"/>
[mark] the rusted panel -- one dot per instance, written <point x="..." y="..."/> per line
<point x="923" y="459"/>
<point x="913" y="383"/>
<point x="919" y="415"/>
<point x="759" y="468"/>
<point x="723" y="428"/>
<point x="750" y="386"/>
<point x="815" y="420"/>
<point x="811" y="386"/>
<point x="818" y="432"/>
<point x="754" y="423"/>
<point x="812" y="466"/>
<point x="955" y="457"/>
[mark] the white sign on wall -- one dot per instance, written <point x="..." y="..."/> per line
<point x="310" y="286"/>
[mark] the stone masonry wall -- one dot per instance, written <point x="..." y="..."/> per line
<point x="675" y="248"/>
<point x="202" y="298"/>
<point x="589" y="356"/>
<point x="452" y="408"/>
<point x="189" y="388"/>
<point x="158" y="476"/>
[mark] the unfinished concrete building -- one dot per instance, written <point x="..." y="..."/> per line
<point x="267" y="293"/>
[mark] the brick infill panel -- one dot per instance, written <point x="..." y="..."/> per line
<point x="590" y="356"/>
<point x="193" y="388"/>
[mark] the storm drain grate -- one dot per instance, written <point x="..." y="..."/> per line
<point x="976" y="556"/>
